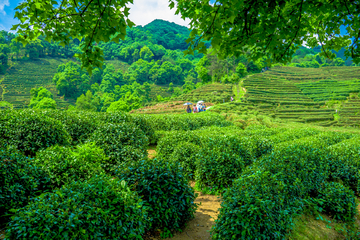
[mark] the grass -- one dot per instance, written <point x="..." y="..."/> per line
<point x="321" y="227"/>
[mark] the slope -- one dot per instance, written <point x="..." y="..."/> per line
<point x="312" y="95"/>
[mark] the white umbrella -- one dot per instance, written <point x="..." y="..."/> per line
<point x="200" y="102"/>
<point x="188" y="103"/>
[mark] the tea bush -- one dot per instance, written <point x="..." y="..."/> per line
<point x="65" y="165"/>
<point x="164" y="189"/>
<point x="144" y="123"/>
<point x="344" y="163"/>
<point x="187" y="121"/>
<point x="339" y="201"/>
<point x="29" y="131"/>
<point x="186" y="154"/>
<point x="259" y="205"/>
<point x="121" y="142"/>
<point x="293" y="134"/>
<point x="320" y="140"/>
<point x="220" y="161"/>
<point x="98" y="208"/>
<point x="171" y="140"/>
<point x="78" y="124"/>
<point x="299" y="161"/>
<point x="20" y="181"/>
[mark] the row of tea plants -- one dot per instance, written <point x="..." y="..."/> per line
<point x="83" y="175"/>
<point x="267" y="177"/>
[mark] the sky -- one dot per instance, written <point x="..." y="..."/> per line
<point x="142" y="12"/>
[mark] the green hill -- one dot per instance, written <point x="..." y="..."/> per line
<point x="25" y="75"/>
<point x="312" y="95"/>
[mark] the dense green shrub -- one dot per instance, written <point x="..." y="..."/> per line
<point x="171" y="139"/>
<point x="220" y="161"/>
<point x="257" y="206"/>
<point x="65" y="165"/>
<point x="344" y="163"/>
<point x="185" y="153"/>
<point x="114" y="117"/>
<point x="293" y="134"/>
<point x="338" y="201"/>
<point x="121" y="142"/>
<point x="20" y="181"/>
<point x="29" y="131"/>
<point x="165" y="190"/>
<point x="299" y="161"/>
<point x="320" y="140"/>
<point x="143" y="122"/>
<point x="187" y="121"/>
<point x="98" y="208"/>
<point x="78" y="124"/>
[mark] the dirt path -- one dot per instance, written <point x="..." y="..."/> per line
<point x="205" y="215"/>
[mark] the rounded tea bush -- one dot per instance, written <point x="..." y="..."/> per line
<point x="20" y="181"/>
<point x="339" y="201"/>
<point x="98" y="208"/>
<point x="77" y="124"/>
<point x="65" y="165"/>
<point x="164" y="189"/>
<point x="121" y="142"/>
<point x="257" y="206"/>
<point x="219" y="162"/>
<point x="185" y="154"/>
<point x="143" y="122"/>
<point x="30" y="131"/>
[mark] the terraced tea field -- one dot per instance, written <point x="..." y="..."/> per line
<point x="24" y="76"/>
<point x="214" y="93"/>
<point x="302" y="95"/>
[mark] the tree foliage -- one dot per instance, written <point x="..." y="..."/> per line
<point x="273" y="29"/>
<point x="41" y="98"/>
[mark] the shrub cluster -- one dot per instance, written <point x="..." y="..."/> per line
<point x="185" y="154"/>
<point x="98" y="208"/>
<point x="121" y="143"/>
<point x="186" y="122"/>
<point x="164" y="189"/>
<point x="66" y="165"/>
<point x="217" y="158"/>
<point x="344" y="163"/>
<point x="338" y="201"/>
<point x="220" y="160"/>
<point x="29" y="131"/>
<point x="270" y="193"/>
<point x="20" y="181"/>
<point x="172" y="139"/>
<point x="257" y="206"/>
<point x="142" y="121"/>
<point x="78" y="124"/>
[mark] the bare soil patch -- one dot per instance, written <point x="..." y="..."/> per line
<point x="151" y="153"/>
<point x="175" y="107"/>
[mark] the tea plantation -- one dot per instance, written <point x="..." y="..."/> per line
<point x="83" y="175"/>
<point x="326" y="96"/>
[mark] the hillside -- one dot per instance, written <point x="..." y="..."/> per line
<point x="324" y="96"/>
<point x="25" y="75"/>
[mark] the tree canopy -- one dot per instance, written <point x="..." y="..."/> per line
<point x="272" y="29"/>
